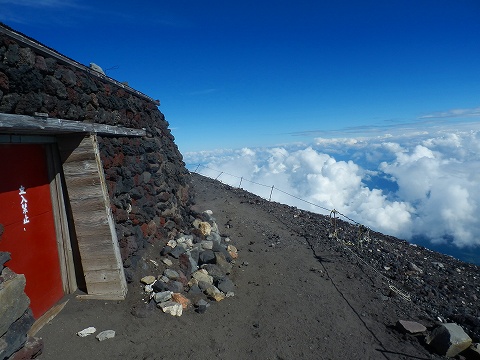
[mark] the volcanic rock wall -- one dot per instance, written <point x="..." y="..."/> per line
<point x="146" y="177"/>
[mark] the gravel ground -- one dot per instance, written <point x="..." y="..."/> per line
<point x="305" y="289"/>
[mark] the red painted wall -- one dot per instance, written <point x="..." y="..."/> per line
<point x="27" y="216"/>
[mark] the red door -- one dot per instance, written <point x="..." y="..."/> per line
<point x="29" y="230"/>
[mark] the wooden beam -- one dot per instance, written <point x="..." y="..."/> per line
<point x="39" y="124"/>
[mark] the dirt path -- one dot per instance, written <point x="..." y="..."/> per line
<point x="287" y="303"/>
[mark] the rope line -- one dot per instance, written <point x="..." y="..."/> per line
<point x="363" y="231"/>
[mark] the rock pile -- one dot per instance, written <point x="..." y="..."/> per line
<point x="196" y="268"/>
<point x="16" y="318"/>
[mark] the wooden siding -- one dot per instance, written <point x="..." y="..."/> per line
<point x="92" y="217"/>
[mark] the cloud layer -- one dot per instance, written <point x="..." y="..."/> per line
<point x="420" y="184"/>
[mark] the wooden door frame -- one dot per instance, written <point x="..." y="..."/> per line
<point x="65" y="251"/>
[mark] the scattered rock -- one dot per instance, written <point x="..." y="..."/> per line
<point x="448" y="339"/>
<point x="214" y="271"/>
<point x="159" y="286"/>
<point x="207" y="244"/>
<point x="167" y="262"/>
<point x="202" y="275"/>
<point x="162" y="296"/>
<point x="206" y="257"/>
<point x="215" y="294"/>
<point x="171" y="274"/>
<point x="226" y="286"/>
<point x="171" y="307"/>
<point x="179" y="298"/>
<point x="201" y="306"/>
<point x="148" y="280"/>
<point x="88" y="331"/>
<point x="414" y="268"/>
<point x="177" y="251"/>
<point x="411" y="327"/>
<point x="106" y="334"/>
<point x="222" y="263"/>
<point x="175" y="286"/>
<point x="232" y="251"/>
<point x="205" y="228"/>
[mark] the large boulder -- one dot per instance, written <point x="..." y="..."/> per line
<point x="449" y="339"/>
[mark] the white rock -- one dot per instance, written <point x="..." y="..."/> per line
<point x="171" y="307"/>
<point x="88" y="331"/>
<point x="172" y="243"/>
<point x="106" y="334"/>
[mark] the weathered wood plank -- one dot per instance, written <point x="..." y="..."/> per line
<point x="97" y="249"/>
<point x="102" y="276"/>
<point x="34" y="124"/>
<point x="104" y="288"/>
<point x="99" y="263"/>
<point x="101" y="297"/>
<point x="86" y="193"/>
<point x="94" y="226"/>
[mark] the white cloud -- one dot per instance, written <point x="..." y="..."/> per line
<point x="453" y="113"/>
<point x="420" y="184"/>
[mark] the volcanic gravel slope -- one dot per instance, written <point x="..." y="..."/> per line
<point x="301" y="293"/>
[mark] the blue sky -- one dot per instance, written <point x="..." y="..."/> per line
<point x="369" y="107"/>
<point x="257" y="73"/>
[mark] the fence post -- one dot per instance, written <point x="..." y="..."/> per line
<point x="271" y="191"/>
<point x="240" y="185"/>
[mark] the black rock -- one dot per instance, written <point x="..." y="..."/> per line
<point x="226" y="285"/>
<point x="159" y="286"/>
<point x="175" y="286"/>
<point x="177" y="251"/>
<point x="166" y="250"/>
<point x="206" y="257"/>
